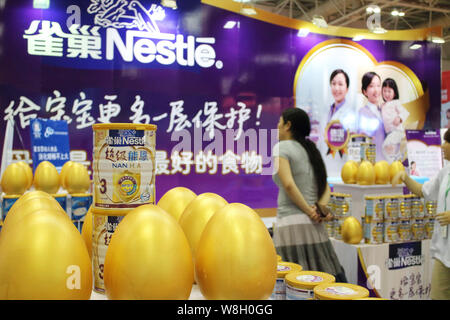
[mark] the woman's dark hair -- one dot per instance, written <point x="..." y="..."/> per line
<point x="447" y="135"/>
<point x="336" y="72"/>
<point x="300" y="129"/>
<point x="390" y="83"/>
<point x="367" y="79"/>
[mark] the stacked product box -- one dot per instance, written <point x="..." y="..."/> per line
<point x="341" y="206"/>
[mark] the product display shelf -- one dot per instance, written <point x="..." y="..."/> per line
<point x="195" y="294"/>
<point x="358" y="192"/>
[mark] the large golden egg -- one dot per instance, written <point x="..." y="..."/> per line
<point x="236" y="258"/>
<point x="395" y="167"/>
<point x="46" y="177"/>
<point x="29" y="203"/>
<point x="28" y="171"/>
<point x="77" y="179"/>
<point x="348" y="172"/>
<point x="365" y="174"/>
<point x="148" y="258"/>
<point x="176" y="200"/>
<point x="196" y="216"/>
<point x="351" y="230"/>
<point x="63" y="173"/>
<point x="382" y="172"/>
<point x="14" y="180"/>
<point x="44" y="257"/>
<point x="86" y="230"/>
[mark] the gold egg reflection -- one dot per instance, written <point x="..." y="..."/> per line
<point x="236" y="257"/>
<point x="46" y="177"/>
<point x="148" y="258"/>
<point x="176" y="200"/>
<point x="14" y="180"/>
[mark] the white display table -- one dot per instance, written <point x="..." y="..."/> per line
<point x="358" y="193"/>
<point x="400" y="271"/>
<point x="195" y="294"/>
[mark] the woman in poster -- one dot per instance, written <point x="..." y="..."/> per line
<point x="370" y="121"/>
<point x="339" y="110"/>
<point x="301" y="176"/>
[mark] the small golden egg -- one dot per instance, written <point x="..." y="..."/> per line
<point x="382" y="172"/>
<point x="14" y="180"/>
<point x="176" y="200"/>
<point x="28" y="171"/>
<point x="349" y="171"/>
<point x="63" y="173"/>
<point x="395" y="167"/>
<point x="46" y="177"/>
<point x="77" y="178"/>
<point x="365" y="174"/>
<point x="351" y="230"/>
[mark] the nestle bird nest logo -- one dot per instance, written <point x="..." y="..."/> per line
<point x="126" y="14"/>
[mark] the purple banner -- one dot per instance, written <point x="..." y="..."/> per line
<point x="214" y="89"/>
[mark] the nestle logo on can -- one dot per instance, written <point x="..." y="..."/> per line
<point x="125" y="138"/>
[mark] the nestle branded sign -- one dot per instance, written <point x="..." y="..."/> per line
<point x="403" y="255"/>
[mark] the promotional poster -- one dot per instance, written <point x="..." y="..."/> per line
<point x="214" y="81"/>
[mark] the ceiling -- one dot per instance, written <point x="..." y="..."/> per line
<point x="352" y="13"/>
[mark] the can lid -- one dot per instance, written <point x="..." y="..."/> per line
<point x="340" y="291"/>
<point x="109" y="212"/>
<point x="12" y="196"/>
<point x="308" y="279"/>
<point x="59" y="195"/>
<point x="283" y="268"/>
<point x="123" y="126"/>
<point x="81" y="195"/>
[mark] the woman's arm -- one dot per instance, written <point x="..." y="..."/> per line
<point x="288" y="183"/>
<point x="411" y="184"/>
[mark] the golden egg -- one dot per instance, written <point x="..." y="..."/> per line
<point x="176" y="200"/>
<point x="236" y="258"/>
<point x="46" y="177"/>
<point x="86" y="230"/>
<point x="351" y="231"/>
<point x="62" y="174"/>
<point x="395" y="167"/>
<point x="14" y="180"/>
<point x="44" y="257"/>
<point x="77" y="179"/>
<point x="382" y="172"/>
<point x="148" y="258"/>
<point x="348" y="172"/>
<point x="28" y="171"/>
<point x="30" y="203"/>
<point x="365" y="174"/>
<point x="196" y="216"/>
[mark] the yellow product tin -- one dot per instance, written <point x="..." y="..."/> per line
<point x="338" y="227"/>
<point x="428" y="227"/>
<point x="391" y="207"/>
<point x="405" y="207"/>
<point x="417" y="208"/>
<point x="430" y="209"/>
<point x="283" y="268"/>
<point x="417" y="229"/>
<point x="374" y="232"/>
<point x="123" y="165"/>
<point x="374" y="207"/>
<point x="391" y="231"/>
<point x="300" y="285"/>
<point x="329" y="226"/>
<point x="404" y="230"/>
<point x="339" y="291"/>
<point x="104" y="222"/>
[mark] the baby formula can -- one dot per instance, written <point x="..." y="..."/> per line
<point x="429" y="227"/>
<point x="391" y="207"/>
<point x="329" y="226"/>
<point x="79" y="205"/>
<point x="124" y="165"/>
<point x="104" y="222"/>
<point x="374" y="207"/>
<point x="417" y="229"/>
<point x="374" y="233"/>
<point x="339" y="291"/>
<point x="405" y="207"/>
<point x="404" y="230"/>
<point x="430" y="209"/>
<point x="391" y="231"/>
<point x="338" y="228"/>
<point x="300" y="285"/>
<point x="417" y="208"/>
<point x="283" y="268"/>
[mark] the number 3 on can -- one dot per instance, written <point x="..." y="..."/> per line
<point x="102" y="186"/>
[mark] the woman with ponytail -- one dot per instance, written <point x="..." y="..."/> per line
<point x="300" y="173"/>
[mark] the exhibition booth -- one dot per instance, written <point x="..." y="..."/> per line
<point x="138" y="151"/>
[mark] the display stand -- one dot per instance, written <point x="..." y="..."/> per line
<point x="395" y="271"/>
<point x="358" y="192"/>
